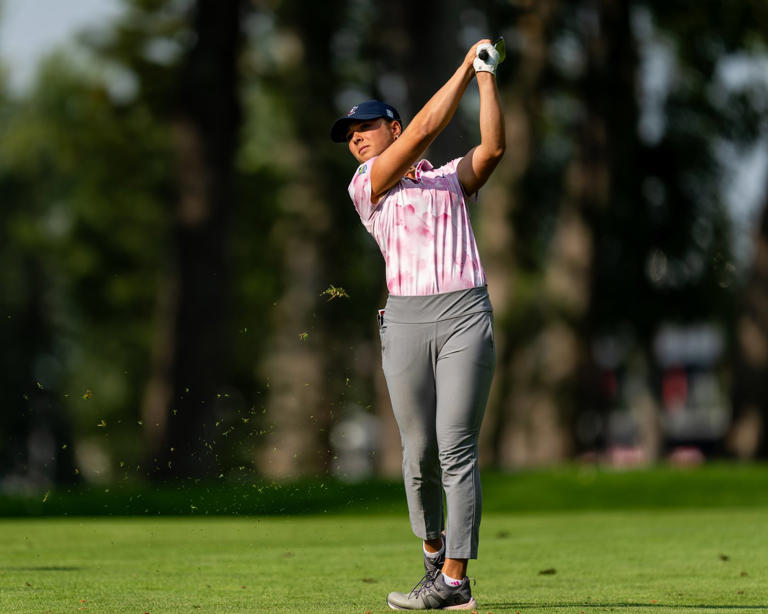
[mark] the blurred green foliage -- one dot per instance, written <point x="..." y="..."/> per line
<point x="89" y="172"/>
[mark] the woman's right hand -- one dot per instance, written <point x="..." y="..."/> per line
<point x="472" y="53"/>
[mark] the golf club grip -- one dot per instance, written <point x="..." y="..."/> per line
<point x="483" y="55"/>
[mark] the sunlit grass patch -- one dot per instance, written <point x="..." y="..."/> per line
<point x="591" y="561"/>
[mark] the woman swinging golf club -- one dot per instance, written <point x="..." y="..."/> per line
<point x="436" y="330"/>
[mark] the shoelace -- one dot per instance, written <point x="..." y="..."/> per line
<point x="424" y="585"/>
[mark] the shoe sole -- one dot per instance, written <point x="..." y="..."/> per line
<point x="470" y="605"/>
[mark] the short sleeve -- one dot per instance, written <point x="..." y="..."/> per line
<point x="360" y="190"/>
<point x="451" y="170"/>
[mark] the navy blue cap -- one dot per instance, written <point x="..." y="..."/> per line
<point x="370" y="109"/>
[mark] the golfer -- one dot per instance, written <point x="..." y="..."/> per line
<point x="436" y="330"/>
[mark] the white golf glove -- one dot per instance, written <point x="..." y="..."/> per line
<point x="487" y="59"/>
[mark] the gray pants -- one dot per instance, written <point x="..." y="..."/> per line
<point x="438" y="357"/>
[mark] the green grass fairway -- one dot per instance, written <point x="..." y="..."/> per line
<point x="654" y="561"/>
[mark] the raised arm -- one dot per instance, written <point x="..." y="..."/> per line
<point x="478" y="164"/>
<point x="396" y="159"/>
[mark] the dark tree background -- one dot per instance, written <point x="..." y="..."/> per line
<point x="188" y="293"/>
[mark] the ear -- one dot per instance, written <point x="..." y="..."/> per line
<point x="396" y="128"/>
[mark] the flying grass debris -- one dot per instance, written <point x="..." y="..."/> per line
<point x="334" y="292"/>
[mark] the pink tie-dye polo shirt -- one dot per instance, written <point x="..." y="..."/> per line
<point x="423" y="229"/>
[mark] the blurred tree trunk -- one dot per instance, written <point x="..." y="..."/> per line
<point x="564" y="345"/>
<point x="601" y="176"/>
<point x="505" y="436"/>
<point x="748" y="434"/>
<point x="308" y="361"/>
<point x="192" y="349"/>
<point x="602" y="185"/>
<point x="432" y="56"/>
<point x="545" y="375"/>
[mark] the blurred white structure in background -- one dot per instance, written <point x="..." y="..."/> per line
<point x="693" y="402"/>
<point x="353" y="439"/>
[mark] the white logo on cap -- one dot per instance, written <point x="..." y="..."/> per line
<point x="389" y="112"/>
<point x="352" y="111"/>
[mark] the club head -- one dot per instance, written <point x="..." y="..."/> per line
<point x="501" y="48"/>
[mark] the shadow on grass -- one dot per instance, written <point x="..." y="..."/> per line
<point x="618" y="605"/>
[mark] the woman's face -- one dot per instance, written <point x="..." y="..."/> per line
<point x="369" y="137"/>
